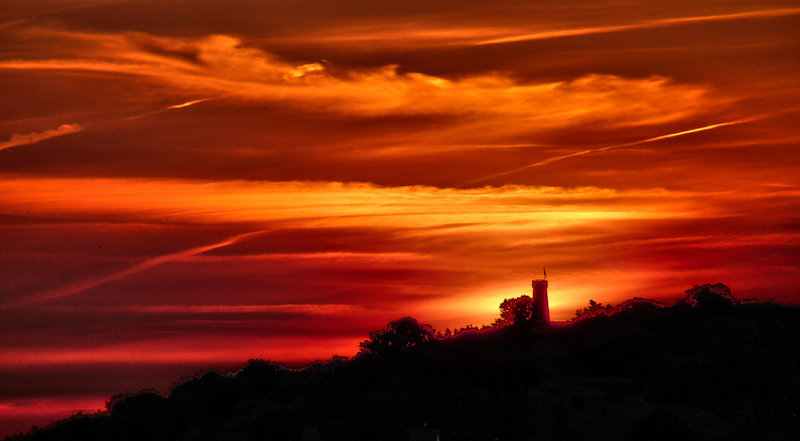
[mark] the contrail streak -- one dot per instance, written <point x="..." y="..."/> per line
<point x="187" y="104"/>
<point x="83" y="285"/>
<point x="650" y="24"/>
<point x="173" y="107"/>
<point x="632" y="143"/>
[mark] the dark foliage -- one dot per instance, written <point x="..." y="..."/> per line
<point x="516" y="310"/>
<point x="707" y="368"/>
<point x="399" y="336"/>
<point x="709" y="298"/>
<point x="594" y="309"/>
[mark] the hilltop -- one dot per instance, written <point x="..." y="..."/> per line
<point x="706" y="368"/>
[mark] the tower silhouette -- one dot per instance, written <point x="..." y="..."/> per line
<point x="541" y="306"/>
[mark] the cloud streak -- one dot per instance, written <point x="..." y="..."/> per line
<point x="172" y="107"/>
<point x="36" y="137"/>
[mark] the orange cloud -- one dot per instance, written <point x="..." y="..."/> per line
<point x="320" y="203"/>
<point x="223" y="65"/>
<point x="461" y="222"/>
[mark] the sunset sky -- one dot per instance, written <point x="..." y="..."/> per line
<point x="192" y="183"/>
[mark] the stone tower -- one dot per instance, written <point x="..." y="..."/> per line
<point x="541" y="306"/>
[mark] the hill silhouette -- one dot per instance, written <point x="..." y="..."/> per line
<point x="706" y="368"/>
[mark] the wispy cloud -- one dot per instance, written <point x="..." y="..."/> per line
<point x="489" y="102"/>
<point x="35" y="137"/>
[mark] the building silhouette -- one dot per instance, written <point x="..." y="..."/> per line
<point x="541" y="306"/>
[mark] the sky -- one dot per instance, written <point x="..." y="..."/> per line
<point x="188" y="184"/>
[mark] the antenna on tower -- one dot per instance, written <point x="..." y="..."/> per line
<point x="544" y="270"/>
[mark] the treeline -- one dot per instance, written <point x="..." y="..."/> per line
<point x="706" y="368"/>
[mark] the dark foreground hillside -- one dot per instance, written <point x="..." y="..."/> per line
<point x="703" y="369"/>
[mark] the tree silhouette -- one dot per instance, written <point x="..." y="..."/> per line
<point x="401" y="334"/>
<point x="639" y="304"/>
<point x="710" y="297"/>
<point x="515" y="310"/>
<point x="593" y="309"/>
